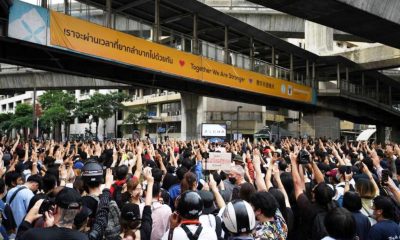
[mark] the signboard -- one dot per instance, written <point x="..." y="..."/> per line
<point x="213" y="130"/>
<point x="58" y="30"/>
<point x="219" y="161"/>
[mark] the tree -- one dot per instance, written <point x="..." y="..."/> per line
<point x="135" y="117"/>
<point x="116" y="105"/>
<point x="57" y="108"/>
<point x="98" y="106"/>
<point x="22" y="118"/>
<point x="6" y="122"/>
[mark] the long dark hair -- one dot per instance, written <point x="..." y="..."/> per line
<point x="280" y="198"/>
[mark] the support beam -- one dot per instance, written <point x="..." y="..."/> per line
<point x="273" y="61"/>
<point x="195" y="48"/>
<point x="131" y="5"/>
<point x="251" y="54"/>
<point x="377" y="90"/>
<point x="156" y="27"/>
<point x="226" y="45"/>
<point x="313" y="79"/>
<point x="44" y="3"/>
<point x="338" y="75"/>
<point x="67" y="10"/>
<point x="176" y="18"/>
<point x="291" y="68"/>
<point x="208" y="29"/>
<point x="362" y="84"/>
<point x="347" y="79"/>
<point x="307" y="72"/>
<point x="108" y="13"/>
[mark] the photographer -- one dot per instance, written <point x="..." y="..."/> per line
<point x="60" y="217"/>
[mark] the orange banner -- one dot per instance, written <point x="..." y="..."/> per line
<point x="85" y="37"/>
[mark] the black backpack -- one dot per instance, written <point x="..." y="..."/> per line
<point x="318" y="228"/>
<point x="117" y="195"/>
<point x="8" y="220"/>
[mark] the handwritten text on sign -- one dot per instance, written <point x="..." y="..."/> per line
<point x="219" y="161"/>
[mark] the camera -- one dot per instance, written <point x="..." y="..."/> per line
<point x="385" y="177"/>
<point x="304" y="157"/>
<point x="46" y="206"/>
<point x="205" y="155"/>
<point x="348" y="169"/>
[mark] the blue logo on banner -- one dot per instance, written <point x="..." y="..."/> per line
<point x="28" y="22"/>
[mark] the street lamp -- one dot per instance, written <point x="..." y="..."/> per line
<point x="237" y="122"/>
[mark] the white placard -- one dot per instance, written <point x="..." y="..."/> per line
<point x="213" y="130"/>
<point x="219" y="161"/>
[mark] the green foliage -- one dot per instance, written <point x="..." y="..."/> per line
<point x="54" y="115"/>
<point x="98" y="105"/>
<point x="6" y="122"/>
<point x="57" y="97"/>
<point x="57" y="107"/>
<point x="22" y="117"/>
<point x="116" y="99"/>
<point x="136" y="116"/>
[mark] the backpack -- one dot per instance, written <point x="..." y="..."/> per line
<point x="189" y="234"/>
<point x="318" y="228"/>
<point x="117" y="195"/>
<point x="8" y="220"/>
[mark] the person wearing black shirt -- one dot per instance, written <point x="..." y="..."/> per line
<point x="67" y="206"/>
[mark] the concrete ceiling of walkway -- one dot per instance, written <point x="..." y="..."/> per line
<point x="353" y="17"/>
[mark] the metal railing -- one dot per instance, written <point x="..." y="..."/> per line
<point x="143" y="29"/>
<point x="356" y="90"/>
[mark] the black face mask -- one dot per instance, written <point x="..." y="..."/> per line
<point x="232" y="180"/>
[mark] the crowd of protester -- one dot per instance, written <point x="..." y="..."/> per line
<point x="137" y="189"/>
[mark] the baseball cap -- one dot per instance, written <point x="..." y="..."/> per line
<point x="78" y="164"/>
<point x="68" y="198"/>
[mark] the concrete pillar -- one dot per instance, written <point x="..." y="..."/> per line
<point x="156" y="28"/>
<point x="226" y="47"/>
<point x="318" y="38"/>
<point x="377" y="90"/>
<point x="108" y="13"/>
<point x="380" y="134"/>
<point x="291" y="78"/>
<point x="395" y="134"/>
<point x="320" y="124"/>
<point x="195" y="40"/>
<point x="390" y="96"/>
<point x="192" y="116"/>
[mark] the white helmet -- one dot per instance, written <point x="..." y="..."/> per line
<point x="238" y="217"/>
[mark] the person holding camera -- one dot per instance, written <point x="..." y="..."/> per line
<point x="59" y="216"/>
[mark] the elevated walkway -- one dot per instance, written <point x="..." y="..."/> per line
<point x="375" y="58"/>
<point x="354" y="17"/>
<point x="14" y="78"/>
<point x="269" y="20"/>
